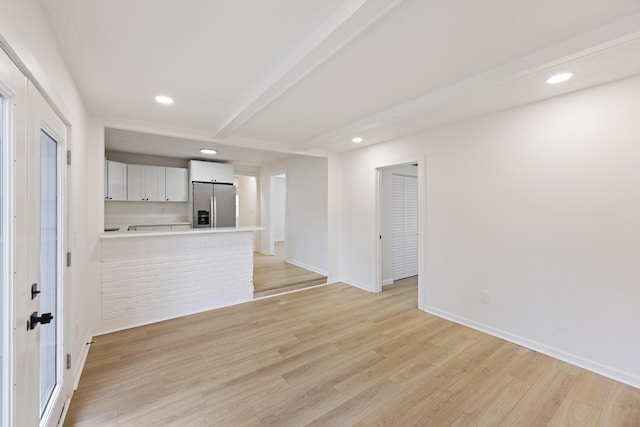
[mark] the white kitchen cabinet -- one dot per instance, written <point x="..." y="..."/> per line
<point x="177" y="184"/>
<point x="211" y="172"/>
<point x="145" y="183"/>
<point x="115" y="177"/>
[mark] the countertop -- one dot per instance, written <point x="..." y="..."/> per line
<point x="192" y="231"/>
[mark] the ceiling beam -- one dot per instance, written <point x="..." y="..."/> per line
<point x="590" y="43"/>
<point x="351" y="20"/>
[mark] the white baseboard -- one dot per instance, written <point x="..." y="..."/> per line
<point x="76" y="376"/>
<point x="590" y="365"/>
<point x="308" y="267"/>
<point x="64" y="412"/>
<point x="263" y="252"/>
<point x="83" y="359"/>
<point x="387" y="282"/>
<point x="358" y="285"/>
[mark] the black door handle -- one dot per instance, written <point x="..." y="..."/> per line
<point x="45" y="319"/>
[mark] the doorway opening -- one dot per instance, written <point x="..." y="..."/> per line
<point x="273" y="274"/>
<point x="398" y="226"/>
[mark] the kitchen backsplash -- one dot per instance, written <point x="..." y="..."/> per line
<point x="116" y="213"/>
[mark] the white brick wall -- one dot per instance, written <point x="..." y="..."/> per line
<point x="147" y="279"/>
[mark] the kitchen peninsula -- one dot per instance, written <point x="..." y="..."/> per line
<point x="150" y="276"/>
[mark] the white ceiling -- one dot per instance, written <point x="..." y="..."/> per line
<point x="185" y="148"/>
<point x="305" y="76"/>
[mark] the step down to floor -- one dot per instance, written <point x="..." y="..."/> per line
<point x="290" y="287"/>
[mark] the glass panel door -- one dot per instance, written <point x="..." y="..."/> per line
<point x="40" y="200"/>
<point x="48" y="265"/>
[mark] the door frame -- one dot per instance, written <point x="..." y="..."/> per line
<point x="7" y="298"/>
<point x="421" y="160"/>
<point x="21" y="120"/>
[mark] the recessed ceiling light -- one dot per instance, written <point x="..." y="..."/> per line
<point x="208" y="151"/>
<point x="164" y="99"/>
<point x="357" y="139"/>
<point x="559" y="78"/>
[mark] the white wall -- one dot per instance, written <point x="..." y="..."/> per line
<point x="248" y="203"/>
<point x="385" y="216"/>
<point x="334" y="220"/>
<point x="539" y="206"/>
<point x="23" y="27"/>
<point x="278" y="206"/>
<point x="306" y="212"/>
<point x="118" y="213"/>
<point x="145" y="159"/>
<point x="247" y="200"/>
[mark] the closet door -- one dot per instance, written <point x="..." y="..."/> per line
<point x="410" y="226"/>
<point x="397" y="226"/>
<point x="404" y="226"/>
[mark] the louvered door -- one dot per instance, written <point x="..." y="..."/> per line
<point x="404" y="226"/>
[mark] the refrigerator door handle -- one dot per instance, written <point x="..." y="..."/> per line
<point x="215" y="211"/>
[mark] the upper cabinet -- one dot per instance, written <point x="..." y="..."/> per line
<point x="211" y="172"/>
<point x="145" y="183"/>
<point x="142" y="183"/>
<point x="177" y="185"/>
<point x="115" y="177"/>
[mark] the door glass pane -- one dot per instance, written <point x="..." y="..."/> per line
<point x="48" y="265"/>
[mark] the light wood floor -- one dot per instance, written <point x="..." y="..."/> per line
<point x="335" y="356"/>
<point x="273" y="275"/>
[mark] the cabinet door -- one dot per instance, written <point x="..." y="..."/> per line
<point x="116" y="177"/>
<point x="222" y="173"/>
<point x="201" y="171"/>
<point x="211" y="172"/>
<point x="135" y="183"/>
<point x="176" y="184"/>
<point x="154" y="181"/>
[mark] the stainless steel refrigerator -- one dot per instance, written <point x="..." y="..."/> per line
<point x="214" y="205"/>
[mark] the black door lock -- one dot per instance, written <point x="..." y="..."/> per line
<point x="35" y="319"/>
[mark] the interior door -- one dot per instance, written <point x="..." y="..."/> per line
<point x="404" y="226"/>
<point x="410" y="226"/>
<point x="45" y="379"/>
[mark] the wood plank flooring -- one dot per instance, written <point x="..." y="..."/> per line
<point x="335" y="356"/>
<point x="273" y="275"/>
